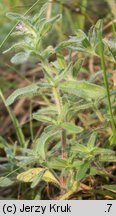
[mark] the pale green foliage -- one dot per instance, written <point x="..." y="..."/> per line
<point x="67" y="97"/>
<point x="33" y="30"/>
<point x="71" y="128"/>
<point x="5" y="182"/>
<point x="28" y="90"/>
<point x="84" y="89"/>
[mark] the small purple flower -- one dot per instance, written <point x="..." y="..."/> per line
<point x="20" y="27"/>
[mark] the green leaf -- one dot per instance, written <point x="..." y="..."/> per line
<point x="3" y="143"/>
<point x="44" y="118"/>
<point x="31" y="89"/>
<point x="80" y="35"/>
<point x="92" y="140"/>
<point x="93" y="37"/>
<point x="37" y="178"/>
<point x="20" y="58"/>
<point x="110" y="187"/>
<point x="37" y="16"/>
<point x="51" y="110"/>
<point x="48" y="25"/>
<point x="107" y="158"/>
<point x="81" y="173"/>
<point x="110" y="47"/>
<point x="84" y="89"/>
<point x="19" y="46"/>
<point x="82" y="40"/>
<point x="5" y="182"/>
<point x="99" y="25"/>
<point x="104" y="151"/>
<point x="47" y="52"/>
<point x="79" y="148"/>
<point x="65" y="44"/>
<point x="50" y="128"/>
<point x="77" y="67"/>
<point x="15" y="16"/>
<point x="48" y="73"/>
<point x="86" y="44"/>
<point x="64" y="73"/>
<point x="43" y="142"/>
<point x="104" y="193"/>
<point x="76" y="164"/>
<point x="57" y="163"/>
<point x="18" y="130"/>
<point x="71" y="127"/>
<point x="61" y="60"/>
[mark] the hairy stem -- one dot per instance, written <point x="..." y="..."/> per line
<point x="63" y="144"/>
<point x="59" y="108"/>
<point x="57" y="99"/>
<point x="63" y="138"/>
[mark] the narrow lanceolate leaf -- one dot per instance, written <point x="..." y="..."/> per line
<point x="81" y="173"/>
<point x="48" y="73"/>
<point x="71" y="127"/>
<point x="84" y="89"/>
<point x="43" y="142"/>
<point x="5" y="182"/>
<point x="64" y="73"/>
<point x="92" y="140"/>
<point x="79" y="148"/>
<point x="31" y="89"/>
<point x="65" y="44"/>
<point x="41" y="12"/>
<point x="77" y="66"/>
<point x="99" y="25"/>
<point x="20" y="58"/>
<point x="110" y="187"/>
<point x="31" y="174"/>
<point x="61" y="60"/>
<point x="58" y="164"/>
<point x="48" y="25"/>
<point x="104" y="151"/>
<point x="51" y="110"/>
<point x="19" y="46"/>
<point x="47" y="52"/>
<point x="43" y="118"/>
<point x="15" y="16"/>
<point x="107" y="158"/>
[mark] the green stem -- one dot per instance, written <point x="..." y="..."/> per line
<point x="59" y="107"/>
<point x="31" y="123"/>
<point x="57" y="99"/>
<point x="63" y="136"/>
<point x="83" y="10"/>
<point x="101" y="50"/>
<point x="16" y="125"/>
